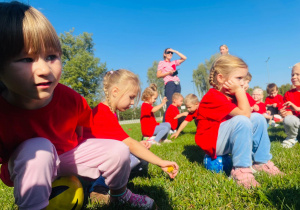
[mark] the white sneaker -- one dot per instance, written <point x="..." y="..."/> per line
<point x="152" y="141"/>
<point x="172" y="131"/>
<point x="289" y="143"/>
<point x="165" y="141"/>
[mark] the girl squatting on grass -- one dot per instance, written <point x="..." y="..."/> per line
<point x="226" y="124"/>
<point x="121" y="88"/>
<point x="39" y="116"/>
<point x="149" y="125"/>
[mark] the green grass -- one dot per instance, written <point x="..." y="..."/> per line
<point x="196" y="188"/>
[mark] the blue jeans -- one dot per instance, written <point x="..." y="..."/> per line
<point x="161" y="131"/>
<point x="246" y="139"/>
<point x="170" y="89"/>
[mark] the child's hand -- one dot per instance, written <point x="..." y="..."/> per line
<point x="174" y="135"/>
<point x="283" y="112"/>
<point x="146" y="144"/>
<point x="170" y="168"/>
<point x="231" y="87"/>
<point x="274" y="105"/>
<point x="256" y="107"/>
<point x="164" y="100"/>
<point x="292" y="106"/>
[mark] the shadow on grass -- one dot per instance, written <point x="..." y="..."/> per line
<point x="194" y="153"/>
<point x="285" y="198"/>
<point x="276" y="133"/>
<point x="157" y="193"/>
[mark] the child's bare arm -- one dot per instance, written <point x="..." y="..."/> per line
<point x="181" y="115"/>
<point x="158" y="107"/>
<point x="181" y="127"/>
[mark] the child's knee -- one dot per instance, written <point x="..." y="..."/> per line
<point x="120" y="154"/>
<point x="242" y="121"/>
<point x="291" y="121"/>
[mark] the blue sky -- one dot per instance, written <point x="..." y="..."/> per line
<point x="133" y="34"/>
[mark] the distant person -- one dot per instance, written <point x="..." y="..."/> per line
<point x="173" y="115"/>
<point x="192" y="103"/>
<point x="224" y="49"/>
<point x="291" y="110"/>
<point x="226" y="124"/>
<point x="167" y="70"/>
<point x="150" y="127"/>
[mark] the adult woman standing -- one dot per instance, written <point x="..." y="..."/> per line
<point x="167" y="70"/>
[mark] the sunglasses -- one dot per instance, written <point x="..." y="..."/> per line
<point x="169" y="52"/>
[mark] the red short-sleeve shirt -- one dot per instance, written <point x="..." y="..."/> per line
<point x="105" y="125"/>
<point x="172" y="112"/>
<point x="252" y="102"/>
<point x="214" y="109"/>
<point x="294" y="97"/>
<point x="278" y="99"/>
<point x="262" y="108"/>
<point x="148" y="121"/>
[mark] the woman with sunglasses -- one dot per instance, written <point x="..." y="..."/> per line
<point x="167" y="70"/>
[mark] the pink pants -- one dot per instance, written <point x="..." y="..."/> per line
<point x="35" y="165"/>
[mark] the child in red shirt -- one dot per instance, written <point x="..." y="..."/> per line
<point x="172" y="115"/>
<point x="274" y="101"/>
<point x="121" y="88"/>
<point x="40" y="117"/>
<point x="192" y="103"/>
<point x="251" y="101"/>
<point x="226" y="124"/>
<point x="148" y="122"/>
<point x="257" y="95"/>
<point x="291" y="110"/>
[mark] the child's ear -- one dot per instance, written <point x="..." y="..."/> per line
<point x="220" y="78"/>
<point x="115" y="91"/>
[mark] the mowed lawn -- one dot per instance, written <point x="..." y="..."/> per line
<point x="196" y="188"/>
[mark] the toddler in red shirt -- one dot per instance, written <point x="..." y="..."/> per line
<point x="122" y="89"/>
<point x="226" y="124"/>
<point x="273" y="101"/>
<point x="258" y="95"/>
<point x="192" y="103"/>
<point x="150" y="127"/>
<point x="291" y="110"/>
<point x="40" y="117"/>
<point x="172" y="114"/>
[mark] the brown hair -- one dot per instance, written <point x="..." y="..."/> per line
<point x="23" y="27"/>
<point x="248" y="77"/>
<point x="149" y="92"/>
<point x="191" y="98"/>
<point x="224" y="65"/>
<point x="271" y="87"/>
<point x="165" y="53"/>
<point x="125" y="80"/>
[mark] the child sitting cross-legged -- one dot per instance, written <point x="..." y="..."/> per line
<point x="226" y="124"/>
<point x="172" y="115"/>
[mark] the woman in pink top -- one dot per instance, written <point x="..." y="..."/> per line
<point x="167" y="70"/>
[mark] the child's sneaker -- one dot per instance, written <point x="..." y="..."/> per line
<point x="172" y="131"/>
<point x="268" y="167"/>
<point x="152" y="141"/>
<point x="165" y="141"/>
<point x="244" y="177"/>
<point x="135" y="200"/>
<point x="289" y="143"/>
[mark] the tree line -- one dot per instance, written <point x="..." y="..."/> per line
<point x="83" y="72"/>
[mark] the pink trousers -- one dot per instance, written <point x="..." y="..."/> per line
<point x="35" y="165"/>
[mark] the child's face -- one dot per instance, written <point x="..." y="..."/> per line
<point x="192" y="107"/>
<point x="153" y="98"/>
<point x="31" y="79"/>
<point x="257" y="96"/>
<point x="237" y="76"/>
<point x="126" y="100"/>
<point x="296" y="76"/>
<point x="273" y="93"/>
<point x="178" y="102"/>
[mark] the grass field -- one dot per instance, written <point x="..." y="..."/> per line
<point x="196" y="188"/>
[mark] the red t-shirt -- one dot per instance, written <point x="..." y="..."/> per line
<point x="262" y="108"/>
<point x="192" y="115"/>
<point x="57" y="122"/>
<point x="148" y="121"/>
<point x="172" y="112"/>
<point x="252" y="102"/>
<point x="294" y="97"/>
<point x="277" y="99"/>
<point x="214" y="109"/>
<point x="105" y="126"/>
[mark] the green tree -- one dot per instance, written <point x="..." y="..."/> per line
<point x="201" y="75"/>
<point x="284" y="88"/>
<point x="152" y="78"/>
<point x="82" y="71"/>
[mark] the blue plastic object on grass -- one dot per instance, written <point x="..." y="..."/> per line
<point x="218" y="165"/>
